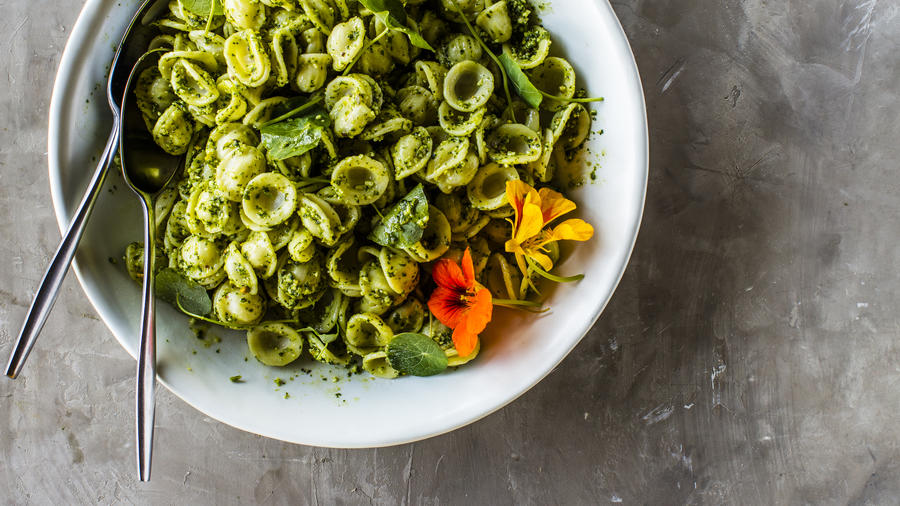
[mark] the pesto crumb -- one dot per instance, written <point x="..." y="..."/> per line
<point x="279" y="381"/>
<point x="236" y="379"/>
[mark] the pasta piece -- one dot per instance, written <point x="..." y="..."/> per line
<point x="193" y="84"/>
<point x="230" y="305"/>
<point x="360" y="180"/>
<point x="269" y="199"/>
<point x="514" y="143"/>
<point x="459" y="123"/>
<point x="237" y="168"/>
<point x="321" y="13"/>
<point x="494" y="20"/>
<point x="246" y="57"/>
<point x="431" y="75"/>
<point x="459" y="48"/>
<point x="319" y="218"/>
<point x="301" y="247"/>
<point x="468" y="86"/>
<point x="274" y="343"/>
<point x="487" y="190"/>
<point x="377" y="364"/>
<point x="531" y="49"/>
<point x="284" y="51"/>
<point x="346" y="42"/>
<point x="367" y="333"/>
<point x="210" y="213"/>
<point x="411" y="153"/>
<point x="407" y="317"/>
<point x="244" y="14"/>
<point x="343" y="266"/>
<point x="200" y="258"/>
<point x="298" y="284"/>
<point x="435" y="239"/>
<point x="258" y="250"/>
<point x="417" y="104"/>
<point x="554" y="76"/>
<point x="239" y="271"/>
<point x="174" y="129"/>
<point x="312" y="72"/>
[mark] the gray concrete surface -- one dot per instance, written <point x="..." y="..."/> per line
<point x="750" y="356"/>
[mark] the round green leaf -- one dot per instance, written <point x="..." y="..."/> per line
<point x="416" y="355"/>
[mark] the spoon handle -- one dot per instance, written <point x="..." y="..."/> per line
<point x="146" y="366"/>
<point x="59" y="266"/>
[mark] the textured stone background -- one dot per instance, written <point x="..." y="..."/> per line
<point x="749" y="356"/>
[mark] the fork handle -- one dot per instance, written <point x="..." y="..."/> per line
<point x="59" y="266"/>
<point x="145" y="398"/>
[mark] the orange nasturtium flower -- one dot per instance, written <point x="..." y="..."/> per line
<point x="535" y="209"/>
<point x="460" y="302"/>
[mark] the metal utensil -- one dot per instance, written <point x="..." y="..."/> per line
<point x="147" y="170"/>
<point x="133" y="40"/>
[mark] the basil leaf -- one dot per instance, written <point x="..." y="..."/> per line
<point x="202" y="7"/>
<point x="520" y="82"/>
<point x="295" y="136"/>
<point x="176" y="289"/>
<point x="405" y="223"/>
<point x="416" y="355"/>
<point x="391" y="13"/>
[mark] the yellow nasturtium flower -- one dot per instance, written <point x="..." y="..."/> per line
<point x="535" y="209"/>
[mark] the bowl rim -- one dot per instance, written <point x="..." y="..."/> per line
<point x="69" y="62"/>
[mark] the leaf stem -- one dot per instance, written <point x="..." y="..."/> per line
<point x="552" y="277"/>
<point x="294" y="111"/>
<point x="567" y="99"/>
<point x="212" y="10"/>
<point x="369" y="43"/>
<point x="493" y="57"/>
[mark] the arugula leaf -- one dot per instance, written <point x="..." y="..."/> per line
<point x="405" y="223"/>
<point x="295" y="136"/>
<point x="416" y="355"/>
<point x="180" y="291"/>
<point x="202" y="7"/>
<point x="522" y="85"/>
<point x="391" y="13"/>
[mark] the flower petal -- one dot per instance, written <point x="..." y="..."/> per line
<point x="542" y="259"/>
<point x="553" y="204"/>
<point x="468" y="270"/>
<point x="571" y="230"/>
<point x="447" y="274"/>
<point x="515" y="194"/>
<point x="531" y="222"/>
<point x="447" y="306"/>
<point x="465" y="335"/>
<point x="464" y="342"/>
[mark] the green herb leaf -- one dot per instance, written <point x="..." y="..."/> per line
<point x="521" y="84"/>
<point x="295" y="136"/>
<point x="236" y="379"/>
<point x="416" y="355"/>
<point x="182" y="292"/>
<point x="405" y="223"/>
<point x="202" y="7"/>
<point x="391" y="13"/>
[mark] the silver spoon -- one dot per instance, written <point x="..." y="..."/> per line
<point x="147" y="170"/>
<point x="59" y="266"/>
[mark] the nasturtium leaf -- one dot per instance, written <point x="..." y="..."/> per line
<point x="522" y="85"/>
<point x="405" y="222"/>
<point x="294" y="136"/>
<point x="392" y="14"/>
<point x="416" y="355"/>
<point x="178" y="290"/>
<point x="202" y="7"/>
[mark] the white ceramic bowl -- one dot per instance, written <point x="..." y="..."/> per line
<point x="518" y="349"/>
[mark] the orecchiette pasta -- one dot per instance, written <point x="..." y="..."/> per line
<point x="332" y="156"/>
